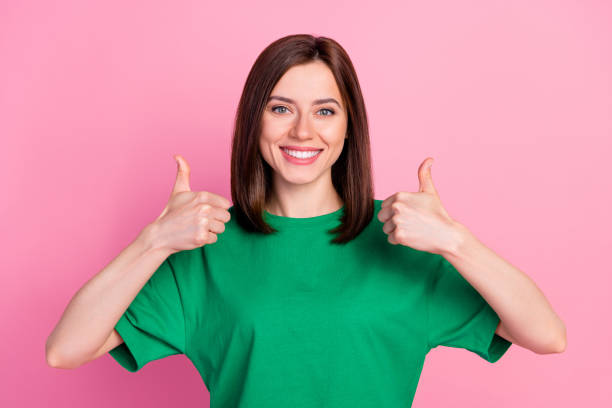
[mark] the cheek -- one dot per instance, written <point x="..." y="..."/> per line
<point x="273" y="125"/>
<point x="266" y="136"/>
<point x="333" y="131"/>
<point x="271" y="132"/>
<point x="335" y="140"/>
<point x="264" y="149"/>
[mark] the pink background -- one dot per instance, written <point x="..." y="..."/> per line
<point x="513" y="101"/>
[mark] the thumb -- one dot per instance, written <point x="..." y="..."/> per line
<point x="182" y="175"/>
<point x="425" y="180"/>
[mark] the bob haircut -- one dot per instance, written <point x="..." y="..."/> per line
<point x="251" y="175"/>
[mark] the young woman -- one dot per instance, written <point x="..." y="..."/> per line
<point x="306" y="291"/>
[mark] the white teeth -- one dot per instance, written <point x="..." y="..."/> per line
<point x="300" y="154"/>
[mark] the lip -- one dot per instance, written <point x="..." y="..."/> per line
<point x="295" y="160"/>
<point x="301" y="148"/>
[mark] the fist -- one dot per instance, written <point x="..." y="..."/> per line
<point x="418" y="219"/>
<point x="191" y="218"/>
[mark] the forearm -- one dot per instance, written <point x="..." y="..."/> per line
<point x="521" y="306"/>
<point x="94" y="310"/>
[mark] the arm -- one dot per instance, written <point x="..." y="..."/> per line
<point x="86" y="328"/>
<point x="527" y="318"/>
<point x="113" y="341"/>
<point x="501" y="331"/>
<point x="419" y="220"/>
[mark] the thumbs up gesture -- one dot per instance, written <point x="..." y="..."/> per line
<point x="191" y="218"/>
<point x="418" y="220"/>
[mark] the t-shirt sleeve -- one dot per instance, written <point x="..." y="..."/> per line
<point x="458" y="316"/>
<point x="153" y="326"/>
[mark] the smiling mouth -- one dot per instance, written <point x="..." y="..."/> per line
<point x="301" y="154"/>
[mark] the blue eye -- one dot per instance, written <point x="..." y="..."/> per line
<point x="273" y="109"/>
<point x="279" y="106"/>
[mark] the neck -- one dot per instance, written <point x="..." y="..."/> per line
<point x="304" y="200"/>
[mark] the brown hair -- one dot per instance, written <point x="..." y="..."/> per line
<point x="251" y="175"/>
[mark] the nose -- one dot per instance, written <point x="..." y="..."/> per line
<point x="303" y="128"/>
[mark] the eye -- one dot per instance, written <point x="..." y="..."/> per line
<point x="274" y="109"/>
<point x="278" y="106"/>
<point x="329" y="110"/>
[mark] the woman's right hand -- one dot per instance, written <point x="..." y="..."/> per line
<point x="190" y="219"/>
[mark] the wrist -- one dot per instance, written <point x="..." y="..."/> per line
<point x="149" y="239"/>
<point x="459" y="236"/>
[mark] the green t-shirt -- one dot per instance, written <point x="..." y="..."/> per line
<point x="291" y="320"/>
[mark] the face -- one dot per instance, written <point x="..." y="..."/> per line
<point x="305" y="110"/>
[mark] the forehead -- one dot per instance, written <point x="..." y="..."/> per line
<point x="307" y="82"/>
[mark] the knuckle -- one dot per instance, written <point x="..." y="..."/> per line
<point x="205" y="208"/>
<point x="201" y="237"/>
<point x="193" y="197"/>
<point x="400" y="234"/>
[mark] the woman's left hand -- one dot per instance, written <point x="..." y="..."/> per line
<point x="418" y="220"/>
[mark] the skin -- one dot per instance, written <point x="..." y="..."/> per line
<point x="304" y="190"/>
<point x="414" y="219"/>
<point x="418" y="220"/>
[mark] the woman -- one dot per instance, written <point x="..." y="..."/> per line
<point x="296" y="295"/>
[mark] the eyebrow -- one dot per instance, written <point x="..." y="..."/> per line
<point x="315" y="102"/>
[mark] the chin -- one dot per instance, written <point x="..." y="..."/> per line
<point x="297" y="180"/>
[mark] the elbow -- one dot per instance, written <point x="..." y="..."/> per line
<point x="50" y="354"/>
<point x="557" y="340"/>
<point x="55" y="360"/>
<point x="64" y="356"/>
<point x="57" y="355"/>
<point x="555" y="345"/>
<point x="562" y="348"/>
<point x="52" y="357"/>
<point x="559" y="347"/>
<point x="560" y="343"/>
<point x="52" y="360"/>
